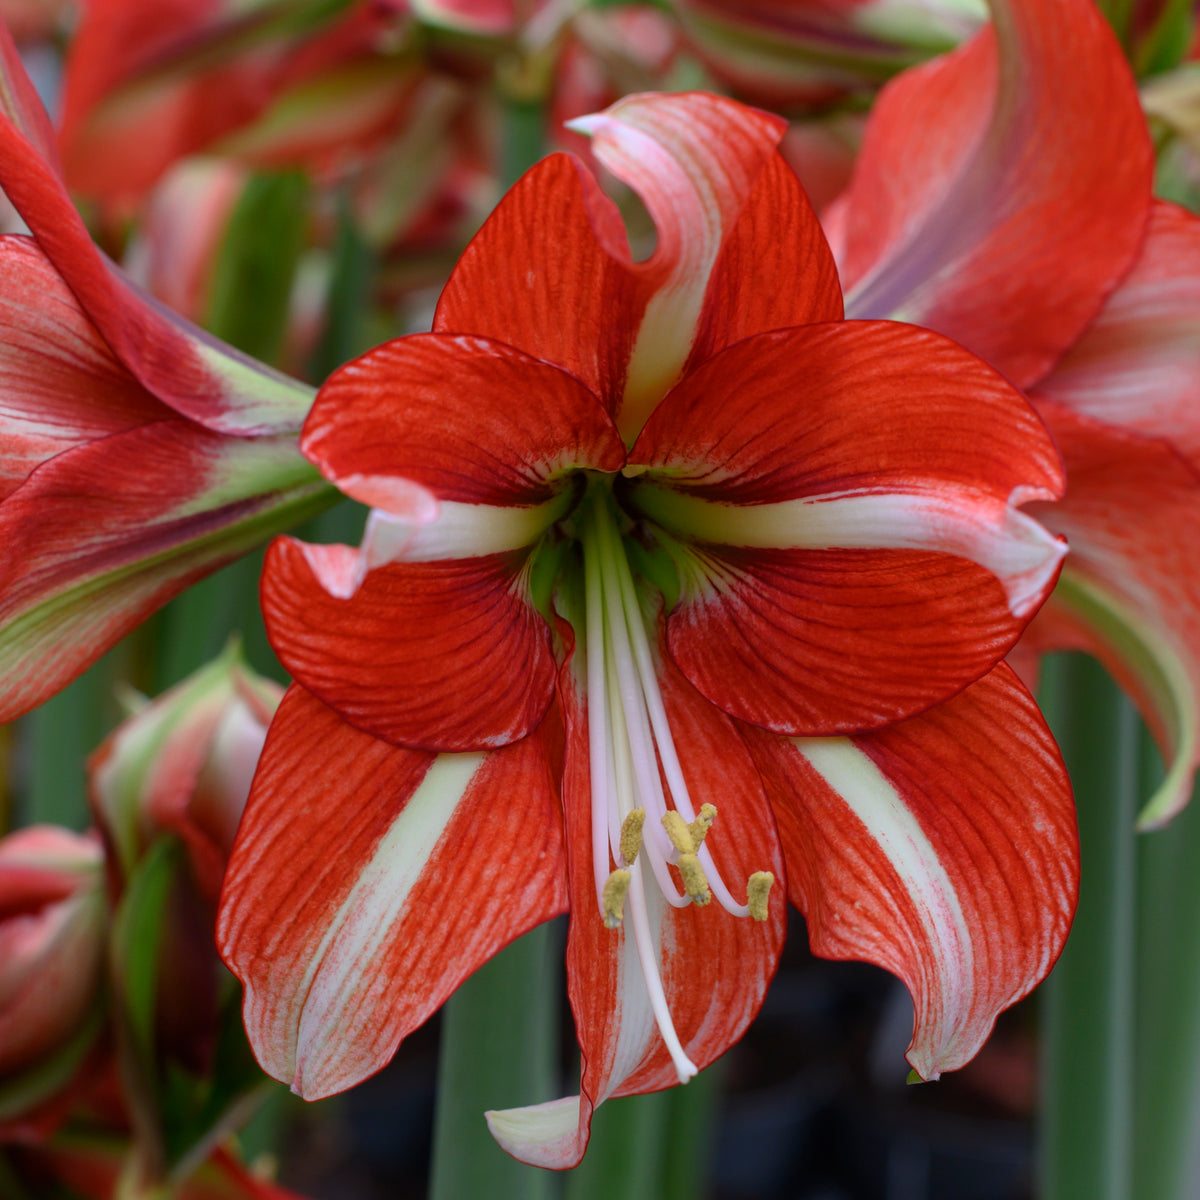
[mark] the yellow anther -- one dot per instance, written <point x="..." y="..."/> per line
<point x="678" y="831"/>
<point x="631" y="835"/>
<point x="702" y="824"/>
<point x="612" y="898"/>
<point x="694" y="881"/>
<point x="758" y="888"/>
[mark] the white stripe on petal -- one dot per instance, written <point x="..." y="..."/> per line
<point x="889" y="822"/>
<point x="1013" y="546"/>
<point x="364" y="920"/>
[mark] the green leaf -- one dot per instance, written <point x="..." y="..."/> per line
<point x="256" y="264"/>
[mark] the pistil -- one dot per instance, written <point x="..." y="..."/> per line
<point x="629" y="744"/>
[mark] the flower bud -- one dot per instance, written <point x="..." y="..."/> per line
<point x="52" y="920"/>
<point x="183" y="765"/>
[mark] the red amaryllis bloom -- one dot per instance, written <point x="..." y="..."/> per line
<point x="813" y="53"/>
<point x="1003" y="197"/>
<point x="137" y="453"/>
<point x="146" y="85"/>
<point x="673" y="567"/>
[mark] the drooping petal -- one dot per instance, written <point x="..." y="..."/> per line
<point x="368" y="881"/>
<point x="1002" y="191"/>
<point x="714" y="967"/>
<point x="848" y="496"/>
<point x="942" y="848"/>
<point x="1138" y="364"/>
<point x="184" y="367"/>
<point x="446" y="655"/>
<point x="60" y="386"/>
<point x="1130" y="591"/>
<point x="104" y="534"/>
<point x="719" y="196"/>
<point x="468" y="420"/>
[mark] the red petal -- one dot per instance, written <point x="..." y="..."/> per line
<point x="20" y="103"/>
<point x="553" y="245"/>
<point x="942" y="848"/>
<point x="722" y="203"/>
<point x="774" y="269"/>
<point x="715" y="967"/>
<point x="60" y="386"/>
<point x="1002" y="191"/>
<point x="1138" y="363"/>
<point x="103" y="534"/>
<point x="184" y="367"/>
<point x="830" y="585"/>
<point x="1130" y="592"/>
<point x="399" y="411"/>
<point x="445" y="655"/>
<point x="368" y="881"/>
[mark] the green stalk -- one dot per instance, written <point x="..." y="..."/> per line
<point x="1167" y="1079"/>
<point x="499" y="1050"/>
<point x="500" y="1030"/>
<point x="626" y="1156"/>
<point x="1088" y="1001"/>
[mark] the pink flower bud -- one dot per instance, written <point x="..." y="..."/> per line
<point x="52" y="916"/>
<point x="183" y="765"/>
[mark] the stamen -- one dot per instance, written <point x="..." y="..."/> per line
<point x="702" y="824"/>
<point x="631" y="835"/>
<point x="616" y="887"/>
<point x="679" y="832"/>
<point x="684" y="1067"/>
<point x="694" y="881"/>
<point x="758" y="888"/>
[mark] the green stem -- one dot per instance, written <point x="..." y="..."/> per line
<point x="1087" y="1003"/>
<point x="1167" y="1080"/>
<point x="499" y="1050"/>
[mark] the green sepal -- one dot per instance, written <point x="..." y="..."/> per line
<point x="139" y="925"/>
<point x="914" y="1076"/>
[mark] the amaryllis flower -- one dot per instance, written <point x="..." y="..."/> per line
<point x="278" y="85"/>
<point x="798" y="54"/>
<point x="137" y="453"/>
<point x="1003" y="197"/>
<point x="52" y="929"/>
<point x="677" y="578"/>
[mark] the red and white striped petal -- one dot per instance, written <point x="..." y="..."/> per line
<point x="1138" y="363"/>
<point x="103" y="534"/>
<point x="368" y="881"/>
<point x="721" y="199"/>
<point x="445" y="655"/>
<point x="694" y="159"/>
<point x="848" y="496"/>
<point x="472" y="426"/>
<point x="184" y="367"/>
<point x="714" y="967"/>
<point x="60" y="386"/>
<point x="942" y="848"/>
<point x="1130" y="590"/>
<point x="1002" y="191"/>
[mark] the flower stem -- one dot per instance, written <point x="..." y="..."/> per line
<point x="1087" y="1003"/>
<point x="1167" y="1079"/>
<point x="499" y="1047"/>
